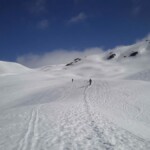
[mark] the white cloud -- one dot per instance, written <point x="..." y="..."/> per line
<point x="43" y="24"/>
<point x="136" y="10"/>
<point x="137" y="7"/>
<point x="80" y="17"/>
<point x="38" y="6"/>
<point x="55" y="57"/>
<point x="62" y="56"/>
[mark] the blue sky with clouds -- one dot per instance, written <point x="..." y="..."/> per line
<point x="41" y="26"/>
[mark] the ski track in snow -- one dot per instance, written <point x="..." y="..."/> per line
<point x="93" y="125"/>
<point x="30" y="138"/>
<point x="105" y="144"/>
<point x="78" y="125"/>
<point x="68" y="131"/>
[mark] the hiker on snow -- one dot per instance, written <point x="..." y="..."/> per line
<point x="72" y="80"/>
<point x="90" y="81"/>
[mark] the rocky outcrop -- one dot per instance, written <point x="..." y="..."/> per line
<point x="112" y="55"/>
<point x="133" y="54"/>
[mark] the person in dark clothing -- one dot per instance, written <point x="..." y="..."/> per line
<point x="72" y="80"/>
<point x="90" y="81"/>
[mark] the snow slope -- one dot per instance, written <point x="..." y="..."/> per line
<point x="43" y="109"/>
<point x="12" y="68"/>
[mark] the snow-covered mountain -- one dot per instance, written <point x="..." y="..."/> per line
<point x="42" y="109"/>
<point x="12" y="68"/>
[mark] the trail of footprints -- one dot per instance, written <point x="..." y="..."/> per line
<point x="30" y="138"/>
<point x="78" y="127"/>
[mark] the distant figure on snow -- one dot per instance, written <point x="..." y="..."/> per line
<point x="72" y="80"/>
<point x="90" y="81"/>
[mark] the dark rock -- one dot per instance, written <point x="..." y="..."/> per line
<point x="69" y="64"/>
<point x="77" y="59"/>
<point x="111" y="56"/>
<point x="133" y="54"/>
<point x="125" y="56"/>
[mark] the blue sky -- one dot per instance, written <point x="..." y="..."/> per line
<point x="42" y="26"/>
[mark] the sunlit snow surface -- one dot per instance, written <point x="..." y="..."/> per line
<point x="41" y="109"/>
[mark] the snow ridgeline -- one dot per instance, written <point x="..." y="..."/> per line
<point x="123" y="62"/>
<point x="43" y="109"/>
<point x="12" y="68"/>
